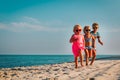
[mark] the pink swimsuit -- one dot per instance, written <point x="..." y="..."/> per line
<point x="77" y="45"/>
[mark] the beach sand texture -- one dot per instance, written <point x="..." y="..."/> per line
<point x="101" y="70"/>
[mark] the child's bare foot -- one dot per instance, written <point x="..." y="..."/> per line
<point x="76" y="66"/>
<point x="91" y="64"/>
<point x="82" y="65"/>
<point x="86" y="64"/>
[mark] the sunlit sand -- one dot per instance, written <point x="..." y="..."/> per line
<point x="100" y="70"/>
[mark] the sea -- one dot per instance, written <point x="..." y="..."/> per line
<point x="11" y="61"/>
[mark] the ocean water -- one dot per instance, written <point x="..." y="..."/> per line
<point x="10" y="61"/>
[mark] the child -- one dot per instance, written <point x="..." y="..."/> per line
<point x="89" y="39"/>
<point x="96" y="35"/>
<point x="78" y="44"/>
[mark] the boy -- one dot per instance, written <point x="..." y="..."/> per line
<point x="96" y="35"/>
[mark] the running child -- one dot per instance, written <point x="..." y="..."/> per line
<point x="78" y="44"/>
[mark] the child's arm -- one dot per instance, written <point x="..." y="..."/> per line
<point x="71" y="39"/>
<point x="93" y="40"/>
<point x="99" y="40"/>
<point x="84" y="41"/>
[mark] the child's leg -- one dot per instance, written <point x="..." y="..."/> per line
<point x="76" y="62"/>
<point x="94" y="56"/>
<point x="86" y="56"/>
<point x="81" y="58"/>
<point x="90" y="53"/>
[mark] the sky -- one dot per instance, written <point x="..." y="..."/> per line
<point x="45" y="26"/>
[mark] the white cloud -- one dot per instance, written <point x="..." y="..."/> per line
<point x="3" y="26"/>
<point x="26" y="25"/>
<point x="30" y="19"/>
<point x="30" y="24"/>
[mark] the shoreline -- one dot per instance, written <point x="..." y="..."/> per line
<point x="100" y="70"/>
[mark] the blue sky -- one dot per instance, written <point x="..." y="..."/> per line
<point x="45" y="26"/>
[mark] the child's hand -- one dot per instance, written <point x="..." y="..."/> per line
<point x="101" y="43"/>
<point x="94" y="46"/>
<point x="75" y="39"/>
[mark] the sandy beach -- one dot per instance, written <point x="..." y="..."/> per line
<point x="101" y="70"/>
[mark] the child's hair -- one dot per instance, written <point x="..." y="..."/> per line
<point x="85" y="28"/>
<point x="94" y="25"/>
<point x="75" y="26"/>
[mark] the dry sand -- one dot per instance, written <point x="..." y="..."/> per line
<point x="101" y="70"/>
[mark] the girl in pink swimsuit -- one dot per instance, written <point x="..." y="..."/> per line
<point x="78" y="44"/>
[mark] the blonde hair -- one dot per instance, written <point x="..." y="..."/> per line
<point x="85" y="28"/>
<point x="94" y="25"/>
<point x="76" y="26"/>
